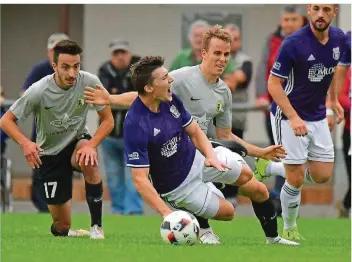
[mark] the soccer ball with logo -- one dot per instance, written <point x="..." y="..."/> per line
<point x="180" y="228"/>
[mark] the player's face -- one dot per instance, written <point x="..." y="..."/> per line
<point x="289" y="22"/>
<point x="161" y="84"/>
<point x="196" y="37"/>
<point x="67" y="69"/>
<point x="321" y="16"/>
<point x="217" y="56"/>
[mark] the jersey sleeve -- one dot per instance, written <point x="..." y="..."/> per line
<point x="92" y="81"/>
<point x="224" y="118"/>
<point x="136" y="144"/>
<point x="346" y="55"/>
<point x="284" y="60"/>
<point x="27" y="103"/>
<point x="186" y="117"/>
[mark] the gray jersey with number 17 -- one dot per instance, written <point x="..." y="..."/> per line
<point x="204" y="101"/>
<point x="60" y="115"/>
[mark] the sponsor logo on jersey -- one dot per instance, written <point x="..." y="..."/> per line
<point x="66" y="121"/>
<point x="170" y="147"/>
<point x="133" y="156"/>
<point x="318" y="71"/>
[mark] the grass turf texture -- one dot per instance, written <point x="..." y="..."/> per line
<point x="27" y="237"/>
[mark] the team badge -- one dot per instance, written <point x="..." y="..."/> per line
<point x="336" y="53"/>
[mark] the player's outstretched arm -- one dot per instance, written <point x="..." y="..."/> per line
<point x="271" y="152"/>
<point x="30" y="149"/>
<point x="202" y="143"/>
<point x="148" y="192"/>
<point x="100" y="96"/>
<point x="278" y="94"/>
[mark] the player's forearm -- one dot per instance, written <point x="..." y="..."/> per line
<point x="339" y="78"/>
<point x="149" y="194"/>
<point x="252" y="149"/>
<point x="277" y="93"/>
<point x="332" y="96"/>
<point x="104" y="129"/>
<point x="13" y="131"/>
<point x="123" y="100"/>
<point x="201" y="142"/>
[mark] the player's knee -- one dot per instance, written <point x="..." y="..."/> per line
<point x="246" y="176"/>
<point x="60" y="230"/>
<point x="261" y="193"/>
<point x="321" y="178"/>
<point x="226" y="211"/>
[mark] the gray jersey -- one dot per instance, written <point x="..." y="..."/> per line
<point x="60" y="115"/>
<point x="204" y="101"/>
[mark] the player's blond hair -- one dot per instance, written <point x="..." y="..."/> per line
<point x="215" y="31"/>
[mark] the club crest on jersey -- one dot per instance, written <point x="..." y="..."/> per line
<point x="336" y="53"/>
<point x="80" y="102"/>
<point x="220" y="107"/>
<point x="174" y="111"/>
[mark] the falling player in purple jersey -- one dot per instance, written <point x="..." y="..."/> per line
<point x="299" y="84"/>
<point x="161" y="139"/>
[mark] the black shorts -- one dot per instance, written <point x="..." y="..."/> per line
<point x="55" y="175"/>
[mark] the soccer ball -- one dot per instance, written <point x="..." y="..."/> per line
<point x="180" y="228"/>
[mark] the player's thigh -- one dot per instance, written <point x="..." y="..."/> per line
<point x="61" y="214"/>
<point x="239" y="173"/>
<point x="55" y="177"/>
<point x="321" y="147"/>
<point x="295" y="146"/>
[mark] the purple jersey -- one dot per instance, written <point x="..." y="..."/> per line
<point x="308" y="67"/>
<point x="346" y="57"/>
<point x="159" y="141"/>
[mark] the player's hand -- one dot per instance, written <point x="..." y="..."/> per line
<point x="338" y="110"/>
<point x="331" y="122"/>
<point x="274" y="153"/>
<point x="213" y="162"/>
<point x="97" y="96"/>
<point x="166" y="213"/>
<point x="87" y="155"/>
<point x="30" y="150"/>
<point x="298" y="126"/>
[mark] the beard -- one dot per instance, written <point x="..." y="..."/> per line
<point x="320" y="29"/>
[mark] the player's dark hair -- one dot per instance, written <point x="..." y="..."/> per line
<point x="142" y="72"/>
<point x="66" y="47"/>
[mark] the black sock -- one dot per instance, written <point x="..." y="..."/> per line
<point x="203" y="222"/>
<point x="94" y="197"/>
<point x="266" y="214"/>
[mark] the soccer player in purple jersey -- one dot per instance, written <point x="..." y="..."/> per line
<point x="299" y="84"/>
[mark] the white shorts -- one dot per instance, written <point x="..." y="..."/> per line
<point x="316" y="146"/>
<point x="195" y="194"/>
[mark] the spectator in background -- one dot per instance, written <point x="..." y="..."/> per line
<point x="242" y="77"/>
<point x="116" y="78"/>
<point x="290" y="21"/>
<point x="37" y="72"/>
<point x="192" y="56"/>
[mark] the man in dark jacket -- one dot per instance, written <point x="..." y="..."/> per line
<point x="116" y="78"/>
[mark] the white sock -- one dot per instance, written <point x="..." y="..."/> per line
<point x="290" y="200"/>
<point x="275" y="169"/>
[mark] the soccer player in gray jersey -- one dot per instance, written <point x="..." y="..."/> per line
<point x="208" y="98"/>
<point x="63" y="143"/>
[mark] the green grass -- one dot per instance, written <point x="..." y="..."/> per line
<point x="28" y="238"/>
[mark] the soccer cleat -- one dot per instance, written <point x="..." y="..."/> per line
<point x="208" y="237"/>
<point x="78" y="233"/>
<point x="259" y="171"/>
<point x="96" y="232"/>
<point x="293" y="234"/>
<point x="281" y="241"/>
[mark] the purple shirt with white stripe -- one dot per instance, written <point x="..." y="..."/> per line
<point x="159" y="141"/>
<point x="308" y="67"/>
